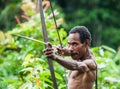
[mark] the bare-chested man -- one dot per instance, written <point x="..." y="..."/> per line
<point x="83" y="66"/>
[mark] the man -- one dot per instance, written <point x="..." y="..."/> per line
<point x="83" y="67"/>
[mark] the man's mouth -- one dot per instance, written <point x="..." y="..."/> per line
<point x="73" y="54"/>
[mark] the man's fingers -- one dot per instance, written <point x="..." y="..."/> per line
<point x="48" y="52"/>
<point x="48" y="56"/>
<point x="60" y="50"/>
<point x="48" y="49"/>
<point x="49" y="45"/>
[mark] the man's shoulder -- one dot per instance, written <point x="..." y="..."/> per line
<point x="90" y="56"/>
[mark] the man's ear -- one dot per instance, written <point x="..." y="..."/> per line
<point x="86" y="43"/>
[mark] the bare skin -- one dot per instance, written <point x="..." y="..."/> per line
<point x="82" y="67"/>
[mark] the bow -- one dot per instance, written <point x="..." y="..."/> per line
<point x="44" y="32"/>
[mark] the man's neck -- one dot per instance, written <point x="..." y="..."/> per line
<point x="84" y="57"/>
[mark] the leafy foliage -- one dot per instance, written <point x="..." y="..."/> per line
<point x="8" y="10"/>
<point x="108" y="69"/>
<point x="101" y="18"/>
<point x="23" y="65"/>
<point x="22" y="62"/>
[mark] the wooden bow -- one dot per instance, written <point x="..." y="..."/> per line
<point x="44" y="32"/>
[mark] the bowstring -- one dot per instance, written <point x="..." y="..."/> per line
<point x="55" y="23"/>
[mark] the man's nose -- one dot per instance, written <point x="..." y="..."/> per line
<point x="71" y="48"/>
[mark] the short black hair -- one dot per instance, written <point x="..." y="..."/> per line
<point x="83" y="33"/>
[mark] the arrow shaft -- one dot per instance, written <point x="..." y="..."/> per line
<point x="30" y="38"/>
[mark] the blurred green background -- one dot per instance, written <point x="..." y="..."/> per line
<point x="22" y="63"/>
<point x="101" y="17"/>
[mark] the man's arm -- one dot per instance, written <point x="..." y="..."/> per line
<point x="91" y="64"/>
<point x="84" y="66"/>
<point x="70" y="64"/>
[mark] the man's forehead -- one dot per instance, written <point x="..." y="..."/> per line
<point x="73" y="37"/>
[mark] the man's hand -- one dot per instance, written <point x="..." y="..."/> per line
<point x="63" y="51"/>
<point x="49" y="51"/>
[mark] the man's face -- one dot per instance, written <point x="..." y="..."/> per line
<point x="77" y="49"/>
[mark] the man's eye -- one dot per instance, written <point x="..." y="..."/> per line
<point x="74" y="44"/>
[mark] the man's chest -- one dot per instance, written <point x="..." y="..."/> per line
<point x="81" y="77"/>
<point x="75" y="75"/>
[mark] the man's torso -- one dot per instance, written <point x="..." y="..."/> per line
<point x="82" y="80"/>
<point x="77" y="80"/>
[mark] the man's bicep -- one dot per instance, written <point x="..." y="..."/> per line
<point x="82" y="67"/>
<point x="90" y="64"/>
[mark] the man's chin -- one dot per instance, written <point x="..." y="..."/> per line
<point x="75" y="58"/>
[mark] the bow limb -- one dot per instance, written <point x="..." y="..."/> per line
<point x="44" y="32"/>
